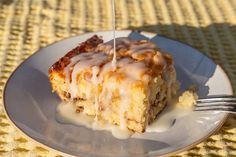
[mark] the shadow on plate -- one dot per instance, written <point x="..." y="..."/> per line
<point x="187" y="75"/>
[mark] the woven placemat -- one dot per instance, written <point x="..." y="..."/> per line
<point x="27" y="25"/>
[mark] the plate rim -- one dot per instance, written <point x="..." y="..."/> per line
<point x="126" y="30"/>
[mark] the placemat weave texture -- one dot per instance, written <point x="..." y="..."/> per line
<point x="28" y="25"/>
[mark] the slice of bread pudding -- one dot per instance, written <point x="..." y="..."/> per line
<point x="129" y="95"/>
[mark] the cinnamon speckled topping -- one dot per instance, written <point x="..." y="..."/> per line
<point x="87" y="46"/>
<point x="138" y="51"/>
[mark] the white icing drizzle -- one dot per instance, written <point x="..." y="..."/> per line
<point x="127" y="66"/>
<point x="127" y="69"/>
<point x="95" y="71"/>
<point x="133" y="70"/>
<point x="106" y="68"/>
<point x="124" y="89"/>
<point x="84" y="62"/>
<point x="144" y="46"/>
<point x="124" y="106"/>
<point x="73" y="60"/>
<point x="105" y="97"/>
<point x="134" y="49"/>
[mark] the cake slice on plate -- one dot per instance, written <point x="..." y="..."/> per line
<point x="129" y="94"/>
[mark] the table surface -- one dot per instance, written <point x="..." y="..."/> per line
<point x="28" y="25"/>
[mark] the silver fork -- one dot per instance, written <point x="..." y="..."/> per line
<point x="223" y="103"/>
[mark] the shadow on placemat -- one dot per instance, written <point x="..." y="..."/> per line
<point x="7" y="2"/>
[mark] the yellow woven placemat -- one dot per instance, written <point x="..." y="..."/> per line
<point x="27" y="25"/>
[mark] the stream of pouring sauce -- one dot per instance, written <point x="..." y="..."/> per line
<point x="114" y="34"/>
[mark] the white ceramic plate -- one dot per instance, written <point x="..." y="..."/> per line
<point x="30" y="104"/>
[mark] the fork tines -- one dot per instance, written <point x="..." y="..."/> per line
<point x="225" y="103"/>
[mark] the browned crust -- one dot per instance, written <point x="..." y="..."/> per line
<point x="87" y="46"/>
<point x="92" y="45"/>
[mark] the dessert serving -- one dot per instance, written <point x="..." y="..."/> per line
<point x="129" y="91"/>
